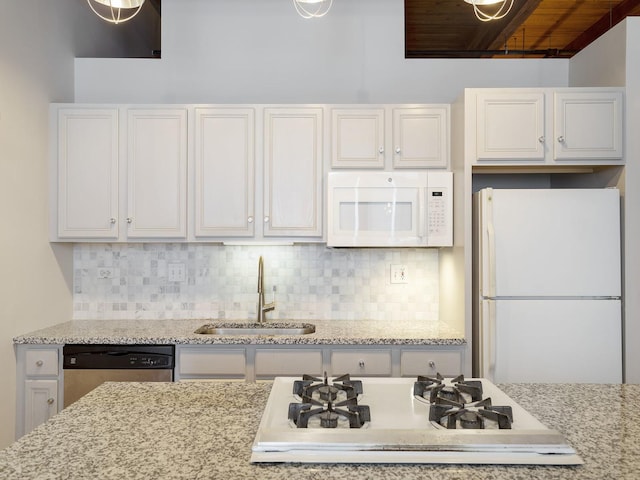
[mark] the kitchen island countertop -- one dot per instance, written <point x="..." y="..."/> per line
<point x="205" y="430"/>
<point x="181" y="332"/>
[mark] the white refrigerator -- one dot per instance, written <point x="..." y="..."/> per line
<point x="547" y="285"/>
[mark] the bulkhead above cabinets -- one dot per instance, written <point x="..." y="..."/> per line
<point x="222" y="173"/>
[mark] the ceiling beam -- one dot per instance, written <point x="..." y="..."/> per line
<point x="615" y="16"/>
<point x="515" y="22"/>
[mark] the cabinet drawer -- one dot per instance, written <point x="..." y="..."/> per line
<point x="447" y="363"/>
<point x="361" y="362"/>
<point x="40" y="361"/>
<point x="205" y="361"/>
<point x="288" y="362"/>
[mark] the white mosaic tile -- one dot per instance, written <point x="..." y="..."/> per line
<point x="311" y="281"/>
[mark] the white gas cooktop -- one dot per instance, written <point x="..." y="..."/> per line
<point x="399" y="430"/>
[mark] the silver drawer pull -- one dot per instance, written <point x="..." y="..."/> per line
<point x="39" y="363"/>
<point x="361" y="363"/>
<point x="432" y="364"/>
<point x="50" y="401"/>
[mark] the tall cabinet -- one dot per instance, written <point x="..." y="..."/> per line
<point x="526" y="138"/>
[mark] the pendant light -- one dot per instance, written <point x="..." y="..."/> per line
<point x="483" y="16"/>
<point x="312" y="8"/>
<point x="116" y="11"/>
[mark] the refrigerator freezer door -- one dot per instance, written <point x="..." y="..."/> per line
<point x="550" y="243"/>
<point x="554" y="341"/>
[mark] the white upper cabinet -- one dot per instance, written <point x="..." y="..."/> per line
<point x="157" y="173"/>
<point x="544" y="127"/>
<point x="87" y="174"/>
<point x="391" y="136"/>
<point x="292" y="199"/>
<point x="421" y="137"/>
<point x="224" y="172"/>
<point x="588" y="125"/>
<point x="510" y="126"/>
<point x="357" y="138"/>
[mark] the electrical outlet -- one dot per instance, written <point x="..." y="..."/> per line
<point x="399" y="274"/>
<point x="105" y="272"/>
<point x="176" y="272"/>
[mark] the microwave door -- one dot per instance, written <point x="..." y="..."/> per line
<point x="376" y="217"/>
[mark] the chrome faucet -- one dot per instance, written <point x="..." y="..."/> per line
<point x="262" y="307"/>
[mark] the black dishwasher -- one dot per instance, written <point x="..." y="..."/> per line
<point x="87" y="366"/>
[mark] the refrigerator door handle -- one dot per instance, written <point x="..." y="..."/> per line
<point x="488" y="245"/>
<point x="491" y="340"/>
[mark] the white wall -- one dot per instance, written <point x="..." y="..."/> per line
<point x="614" y="60"/>
<point x="261" y="51"/>
<point x="37" y="49"/>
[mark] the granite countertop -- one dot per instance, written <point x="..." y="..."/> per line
<point x="328" y="332"/>
<point x="205" y="431"/>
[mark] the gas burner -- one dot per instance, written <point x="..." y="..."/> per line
<point x="454" y="391"/>
<point x="328" y="415"/>
<point x="320" y="390"/>
<point x="470" y="416"/>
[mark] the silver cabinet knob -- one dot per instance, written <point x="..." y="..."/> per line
<point x="250" y="219"/>
<point x="129" y="219"/>
<point x="39" y="363"/>
<point x="266" y="219"/>
<point x="50" y="401"/>
<point x="397" y="149"/>
<point x="381" y="150"/>
<point x="361" y="363"/>
<point x="541" y="139"/>
<point x="112" y="221"/>
<point x="432" y="364"/>
<point x="561" y="139"/>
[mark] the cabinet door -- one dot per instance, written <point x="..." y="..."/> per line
<point x="361" y="362"/>
<point x="279" y="362"/>
<point x="293" y="172"/>
<point x="421" y="137"/>
<point x="224" y="172"/>
<point x="357" y="138"/>
<point x="157" y="173"/>
<point x="510" y="126"/>
<point x="430" y="362"/>
<point x="87" y="162"/>
<point x="211" y="362"/>
<point x="41" y="402"/>
<point x="588" y="125"/>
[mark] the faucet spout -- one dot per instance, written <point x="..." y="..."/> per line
<point x="262" y="307"/>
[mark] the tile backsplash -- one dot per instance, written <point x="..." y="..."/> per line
<point x="129" y="281"/>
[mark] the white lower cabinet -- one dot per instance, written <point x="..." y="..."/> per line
<point x="278" y="362"/>
<point x="210" y="362"/>
<point x="359" y="362"/>
<point x="430" y="362"/>
<point x="40" y="402"/>
<point x="38" y="385"/>
<point x="263" y="362"/>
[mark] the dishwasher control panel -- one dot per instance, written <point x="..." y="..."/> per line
<point x="118" y="356"/>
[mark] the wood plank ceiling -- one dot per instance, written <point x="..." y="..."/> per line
<point x="533" y="28"/>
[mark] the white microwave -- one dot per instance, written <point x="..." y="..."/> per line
<point x="390" y="209"/>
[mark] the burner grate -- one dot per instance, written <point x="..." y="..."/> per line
<point x="458" y="403"/>
<point x="328" y="403"/>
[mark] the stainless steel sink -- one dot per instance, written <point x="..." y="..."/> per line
<point x="272" y="328"/>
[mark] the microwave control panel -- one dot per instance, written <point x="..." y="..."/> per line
<point x="439" y="212"/>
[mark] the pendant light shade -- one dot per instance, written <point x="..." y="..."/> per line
<point x="116" y="11"/>
<point x="312" y="8"/>
<point x="498" y="11"/>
